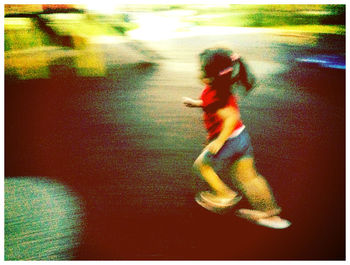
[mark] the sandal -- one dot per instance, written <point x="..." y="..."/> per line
<point x="215" y="204"/>
<point x="268" y="219"/>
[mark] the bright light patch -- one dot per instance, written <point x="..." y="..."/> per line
<point x="105" y="8"/>
<point x="42" y="220"/>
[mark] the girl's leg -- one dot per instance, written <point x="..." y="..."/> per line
<point x="205" y="170"/>
<point x="253" y="186"/>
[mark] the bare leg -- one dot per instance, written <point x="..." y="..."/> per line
<point x="253" y="186"/>
<point x="205" y="170"/>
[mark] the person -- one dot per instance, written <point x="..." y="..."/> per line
<point x="229" y="146"/>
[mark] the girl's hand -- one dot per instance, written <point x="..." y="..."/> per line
<point x="215" y="146"/>
<point x="189" y="102"/>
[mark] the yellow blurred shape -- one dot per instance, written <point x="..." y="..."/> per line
<point x="328" y="29"/>
<point x="15" y="9"/>
<point x="22" y="49"/>
<point x="18" y="33"/>
<point x="77" y="24"/>
<point x="28" y="67"/>
<point x="308" y="34"/>
<point x="90" y="62"/>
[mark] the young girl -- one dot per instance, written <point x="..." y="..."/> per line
<point x="229" y="143"/>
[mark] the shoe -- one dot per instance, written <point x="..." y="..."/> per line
<point x="275" y="222"/>
<point x="215" y="203"/>
<point x="268" y="219"/>
<point x="254" y="215"/>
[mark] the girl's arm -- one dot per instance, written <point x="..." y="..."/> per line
<point x="192" y="103"/>
<point x="230" y="117"/>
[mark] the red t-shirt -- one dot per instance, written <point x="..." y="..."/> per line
<point x="212" y="121"/>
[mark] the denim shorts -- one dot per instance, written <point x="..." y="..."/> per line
<point x="233" y="149"/>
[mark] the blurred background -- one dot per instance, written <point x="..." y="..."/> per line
<point x="99" y="149"/>
<point x="71" y="38"/>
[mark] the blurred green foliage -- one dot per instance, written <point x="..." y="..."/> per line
<point x="279" y="15"/>
<point x="29" y="32"/>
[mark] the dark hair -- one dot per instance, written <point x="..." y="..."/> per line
<point x="214" y="62"/>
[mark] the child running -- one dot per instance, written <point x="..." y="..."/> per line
<point x="229" y="143"/>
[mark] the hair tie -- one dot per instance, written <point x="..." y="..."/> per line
<point x="226" y="70"/>
<point x="235" y="57"/>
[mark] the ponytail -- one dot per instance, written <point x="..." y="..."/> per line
<point x="245" y="77"/>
